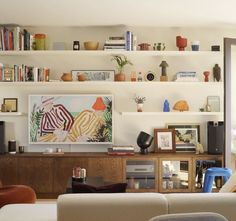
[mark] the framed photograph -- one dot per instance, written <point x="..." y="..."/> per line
<point x="93" y="75"/>
<point x="71" y="119"/>
<point x="214" y="102"/>
<point x="186" y="136"/>
<point x="164" y="140"/>
<point x="11" y="104"/>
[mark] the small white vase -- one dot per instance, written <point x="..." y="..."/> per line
<point x="140" y="107"/>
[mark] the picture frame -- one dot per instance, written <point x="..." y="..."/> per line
<point x="11" y="104"/>
<point x="164" y="140"/>
<point x="71" y="119"/>
<point x="186" y="136"/>
<point x="93" y="75"/>
<point x="214" y="102"/>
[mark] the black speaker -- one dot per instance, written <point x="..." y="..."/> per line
<point x="215" y="137"/>
<point x="2" y="137"/>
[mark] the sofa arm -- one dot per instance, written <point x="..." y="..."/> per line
<point x="110" y="207"/>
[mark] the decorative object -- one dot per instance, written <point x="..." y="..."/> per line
<point x="3" y="108"/>
<point x="139" y="101"/>
<point x="144" y="46"/>
<point x="133" y="76"/>
<point x="181" y="43"/>
<point x="69" y="119"/>
<point x="40" y="41"/>
<point x="214" y="102"/>
<point x="93" y="75"/>
<point x="164" y="140"/>
<point x="163" y="66"/>
<point x="121" y="61"/>
<point x="181" y="105"/>
<point x="76" y="45"/>
<point x="215" y="47"/>
<point x="66" y="77"/>
<point x="12" y="146"/>
<point x="159" y="46"/>
<point x="216" y="72"/>
<point x="195" y="45"/>
<point x="140" y="76"/>
<point x="91" y="45"/>
<point x="144" y="141"/>
<point x="208" y="108"/>
<point x="199" y="148"/>
<point x="186" y="136"/>
<point x="21" y="149"/>
<point x="166" y="106"/>
<point x="150" y="76"/>
<point x="11" y="104"/>
<point x="206" y="75"/>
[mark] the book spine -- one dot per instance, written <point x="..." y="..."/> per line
<point x="128" y="41"/>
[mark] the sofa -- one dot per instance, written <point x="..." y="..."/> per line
<point x="121" y="206"/>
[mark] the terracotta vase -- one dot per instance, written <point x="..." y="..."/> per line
<point x="66" y="77"/>
<point x="140" y="107"/>
<point x="120" y="77"/>
<point x="181" y="43"/>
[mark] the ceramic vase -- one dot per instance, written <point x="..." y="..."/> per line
<point x="120" y="77"/>
<point x="140" y="107"/>
<point x="181" y="43"/>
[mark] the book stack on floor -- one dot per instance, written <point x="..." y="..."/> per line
<point x="121" y="150"/>
<point x="115" y="43"/>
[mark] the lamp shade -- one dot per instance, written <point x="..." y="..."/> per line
<point x="144" y="141"/>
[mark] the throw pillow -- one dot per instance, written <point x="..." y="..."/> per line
<point x="230" y="185"/>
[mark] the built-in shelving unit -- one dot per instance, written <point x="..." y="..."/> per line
<point x="174" y="113"/>
<point x="11" y="114"/>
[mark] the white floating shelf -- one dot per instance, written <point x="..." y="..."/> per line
<point x="11" y="113"/>
<point x="123" y="83"/>
<point x="106" y="53"/>
<point x="185" y="113"/>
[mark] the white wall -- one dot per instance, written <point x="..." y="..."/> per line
<point x="126" y="128"/>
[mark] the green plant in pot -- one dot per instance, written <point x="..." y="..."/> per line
<point x="121" y="61"/>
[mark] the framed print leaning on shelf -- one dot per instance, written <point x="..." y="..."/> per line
<point x="214" y="102"/>
<point x="71" y="119"/>
<point x="11" y="104"/>
<point x="186" y="136"/>
<point x="164" y="140"/>
<point x="93" y="75"/>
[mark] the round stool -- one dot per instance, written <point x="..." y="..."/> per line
<point x="16" y="194"/>
<point x="210" y="175"/>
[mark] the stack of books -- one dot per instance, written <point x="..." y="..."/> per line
<point x="186" y="76"/>
<point x="115" y="43"/>
<point x="121" y="150"/>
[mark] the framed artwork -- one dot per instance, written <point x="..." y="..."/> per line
<point x="164" y="140"/>
<point x="186" y="136"/>
<point x="11" y="104"/>
<point x="214" y="102"/>
<point x="93" y="75"/>
<point x="70" y="119"/>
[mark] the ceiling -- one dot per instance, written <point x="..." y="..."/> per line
<point x="168" y="13"/>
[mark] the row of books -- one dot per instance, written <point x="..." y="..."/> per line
<point x="22" y="73"/>
<point x="13" y="38"/>
<point x="186" y="76"/>
<point x="120" y="150"/>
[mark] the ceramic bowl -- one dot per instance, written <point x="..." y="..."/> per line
<point x="91" y="45"/>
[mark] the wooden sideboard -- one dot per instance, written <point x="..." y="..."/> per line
<point x="48" y="174"/>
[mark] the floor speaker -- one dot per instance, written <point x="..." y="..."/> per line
<point x="215" y="137"/>
<point x="2" y="137"/>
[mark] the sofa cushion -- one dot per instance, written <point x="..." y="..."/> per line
<point x="110" y="207"/>
<point x="230" y="185"/>
<point x="78" y="187"/>
<point x="222" y="203"/>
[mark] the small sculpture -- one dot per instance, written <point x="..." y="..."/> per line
<point x="181" y="105"/>
<point x="163" y="66"/>
<point x="166" y="107"/>
<point x="181" y="43"/>
<point x="159" y="46"/>
<point x="206" y="75"/>
<point x="217" y="72"/>
<point x="198" y="146"/>
<point x="144" y="46"/>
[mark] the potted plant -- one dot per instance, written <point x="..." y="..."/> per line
<point x="139" y="101"/>
<point x="121" y="61"/>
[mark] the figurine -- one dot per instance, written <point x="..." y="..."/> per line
<point x="216" y="72"/>
<point x="163" y="66"/>
<point x="166" y="107"/>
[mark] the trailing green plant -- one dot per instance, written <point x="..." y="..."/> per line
<point x="121" y="61"/>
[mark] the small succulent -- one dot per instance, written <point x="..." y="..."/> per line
<point x="139" y="100"/>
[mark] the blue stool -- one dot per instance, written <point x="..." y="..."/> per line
<point x="210" y="176"/>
